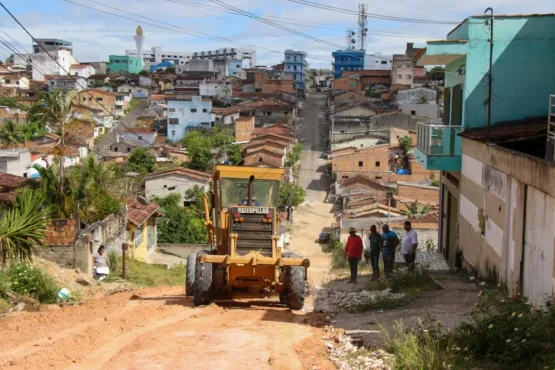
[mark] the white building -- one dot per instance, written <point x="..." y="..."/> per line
<point x="82" y="70"/>
<point x="43" y="64"/>
<point x="77" y="83"/>
<point x="378" y="61"/>
<point x="175" y="181"/>
<point x="220" y="90"/>
<point x="15" y="162"/>
<point x="135" y="90"/>
<point x="188" y="115"/>
<point x="14" y="80"/>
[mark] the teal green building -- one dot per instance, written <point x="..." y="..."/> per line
<point x="124" y="64"/>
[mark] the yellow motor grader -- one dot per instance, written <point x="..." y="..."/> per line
<point x="243" y="228"/>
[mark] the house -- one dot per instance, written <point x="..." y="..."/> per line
<point x="94" y="81"/>
<point x="81" y="70"/>
<point x="377" y="61"/>
<point x="363" y="141"/>
<point x="12" y="114"/>
<point x="348" y="83"/>
<point x="361" y="185"/>
<point x="220" y="90"/>
<point x="347" y="60"/>
<point x="426" y="226"/>
<point x="225" y="116"/>
<point x="272" y="146"/>
<point x="115" y="103"/>
<point x="175" y="181"/>
<point x="418" y="102"/>
<point x="8" y="185"/>
<point x="349" y="97"/>
<point x="15" y="162"/>
<point x="371" y="77"/>
<point x="295" y="64"/>
<point x="14" y="80"/>
<point x="269" y="111"/>
<point x="85" y="130"/>
<point x="349" y="161"/>
<point x="67" y="83"/>
<point x="136" y="91"/>
<point x="489" y="178"/>
<point x="185" y="115"/>
<point x="356" y="110"/>
<point x="141" y="228"/>
<point x="244" y="128"/>
<point x="140" y="135"/>
<point x="374" y="210"/>
<point x="423" y="193"/>
<point x="402" y="70"/>
<point x="263" y="157"/>
<point x="277" y="129"/>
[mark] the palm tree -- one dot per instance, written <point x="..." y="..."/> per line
<point x="61" y="203"/>
<point x="22" y="227"/>
<point x="416" y="208"/>
<point x="11" y="133"/>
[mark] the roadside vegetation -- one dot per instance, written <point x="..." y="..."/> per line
<point x="149" y="275"/>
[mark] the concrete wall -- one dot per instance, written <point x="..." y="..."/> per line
<point x="183" y="250"/>
<point x="170" y="184"/>
<point x="364" y="142"/>
<point x="507" y="217"/>
<point x="183" y="111"/>
<point x="420" y="110"/>
<point x="16" y="166"/>
<point x="413" y="96"/>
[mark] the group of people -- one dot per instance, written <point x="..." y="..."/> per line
<point x="383" y="244"/>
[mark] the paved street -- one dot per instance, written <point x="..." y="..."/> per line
<point x="127" y="121"/>
<point x="314" y="131"/>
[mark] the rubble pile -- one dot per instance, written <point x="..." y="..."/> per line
<point x="348" y="353"/>
<point x="328" y="300"/>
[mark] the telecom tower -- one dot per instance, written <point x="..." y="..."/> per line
<point x="362" y="23"/>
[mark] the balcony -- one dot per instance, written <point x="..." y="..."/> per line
<point x="439" y="147"/>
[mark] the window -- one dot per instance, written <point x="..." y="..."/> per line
<point x="399" y="76"/>
<point x="377" y="163"/>
<point x="138" y="236"/>
<point x="128" y="150"/>
<point x="205" y="110"/>
<point x="140" y="138"/>
<point x="173" y="132"/>
<point x="171" y="110"/>
<point x="360" y="163"/>
<point x="193" y="110"/>
<point x="115" y="149"/>
<point x="171" y="188"/>
<point x="268" y="113"/>
<point x="100" y="100"/>
<point x="260" y="159"/>
<point x="181" y="110"/>
<point x="84" y="99"/>
<point x="173" y="121"/>
<point x="409" y="76"/>
<point x="165" y="186"/>
<point x="384" y="61"/>
<point x="238" y="66"/>
<point x="378" y="177"/>
<point x="76" y="73"/>
<point x="344" y="177"/>
<point x="413" y="112"/>
<point x="285" y="113"/>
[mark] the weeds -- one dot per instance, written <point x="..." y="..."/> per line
<point x="337" y="250"/>
<point x="509" y="332"/>
<point x="145" y="274"/>
<point x="380" y="302"/>
<point x="410" y="282"/>
<point x="113" y="261"/>
<point x="424" y="349"/>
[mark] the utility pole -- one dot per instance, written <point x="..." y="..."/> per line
<point x="490" y="74"/>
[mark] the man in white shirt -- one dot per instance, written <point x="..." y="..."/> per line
<point x="409" y="245"/>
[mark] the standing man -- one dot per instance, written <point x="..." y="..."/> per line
<point x="389" y="241"/>
<point x="409" y="245"/>
<point x="353" y="251"/>
<point x="375" y="250"/>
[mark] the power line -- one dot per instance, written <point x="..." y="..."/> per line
<point x="371" y="15"/>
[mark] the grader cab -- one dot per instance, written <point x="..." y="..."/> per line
<point x="243" y="229"/>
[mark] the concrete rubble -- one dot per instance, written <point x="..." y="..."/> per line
<point x="328" y="300"/>
<point x="348" y="353"/>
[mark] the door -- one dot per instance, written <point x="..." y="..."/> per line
<point x="539" y="236"/>
<point x="451" y="225"/>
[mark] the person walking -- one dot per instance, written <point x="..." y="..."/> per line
<point x="101" y="270"/>
<point x="389" y="241"/>
<point x="353" y="251"/>
<point x="375" y="251"/>
<point x="409" y="245"/>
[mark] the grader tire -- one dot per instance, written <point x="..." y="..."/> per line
<point x="190" y="276"/>
<point x="202" y="290"/>
<point x="296" y="285"/>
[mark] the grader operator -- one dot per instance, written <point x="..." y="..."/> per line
<point x="243" y="229"/>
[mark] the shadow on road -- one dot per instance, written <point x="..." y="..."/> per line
<point x="174" y="300"/>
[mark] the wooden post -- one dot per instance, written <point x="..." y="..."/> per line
<point x="124" y="247"/>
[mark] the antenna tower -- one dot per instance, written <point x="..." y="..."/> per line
<point x="362" y="23"/>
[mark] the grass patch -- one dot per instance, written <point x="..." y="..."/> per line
<point x="411" y="283"/>
<point x="384" y="302"/>
<point x="150" y="275"/>
<point x="5" y="306"/>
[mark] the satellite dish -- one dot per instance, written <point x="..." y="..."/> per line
<point x="365" y="28"/>
<point x="353" y="33"/>
<point x="353" y="41"/>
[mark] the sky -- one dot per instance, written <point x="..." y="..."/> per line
<point x="190" y="25"/>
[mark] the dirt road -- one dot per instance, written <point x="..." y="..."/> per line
<point x="159" y="329"/>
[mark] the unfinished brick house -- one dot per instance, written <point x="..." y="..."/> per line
<point x="351" y="161"/>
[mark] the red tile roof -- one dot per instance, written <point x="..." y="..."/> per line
<point x="181" y="172"/>
<point x="79" y="66"/>
<point x="277" y="129"/>
<point x="10" y="182"/>
<point x="510" y="131"/>
<point x="139" y="210"/>
<point x="427" y="221"/>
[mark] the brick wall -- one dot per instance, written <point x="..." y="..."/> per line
<point x="347" y="84"/>
<point x="63" y="256"/>
<point x="421" y="193"/>
<point x="61" y="232"/>
<point x="396" y="133"/>
<point x="261" y="157"/>
<point x="244" y="128"/>
<point x="373" y="159"/>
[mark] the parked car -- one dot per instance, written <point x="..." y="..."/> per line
<point x="324" y="238"/>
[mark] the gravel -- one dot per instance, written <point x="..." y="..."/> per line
<point x="328" y="300"/>
<point x="348" y="356"/>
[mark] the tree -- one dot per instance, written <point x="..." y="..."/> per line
<point x="422" y="100"/>
<point x="60" y="202"/>
<point x="416" y="208"/>
<point x="234" y="154"/>
<point x="294" y="155"/>
<point x="170" y="70"/>
<point x="195" y="196"/>
<point x="143" y="73"/>
<point x="11" y="133"/>
<point x="436" y="75"/>
<point x="141" y="161"/>
<point x="9" y="102"/>
<point x="201" y="144"/>
<point x="405" y="144"/>
<point x="180" y="225"/>
<point x="22" y="227"/>
<point x="291" y="194"/>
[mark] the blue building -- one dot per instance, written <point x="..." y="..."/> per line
<point x="185" y="116"/>
<point x="235" y="65"/>
<point x="162" y="65"/>
<point x="295" y="63"/>
<point x="349" y="60"/>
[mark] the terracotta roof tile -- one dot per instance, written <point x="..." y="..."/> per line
<point x="427" y="221"/>
<point x="139" y="210"/>
<point x="278" y="129"/>
<point x="11" y="182"/>
<point x="181" y="172"/>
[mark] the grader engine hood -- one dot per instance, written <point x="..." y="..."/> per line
<point x="254" y="227"/>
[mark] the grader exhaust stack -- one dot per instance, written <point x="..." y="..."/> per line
<point x="246" y="258"/>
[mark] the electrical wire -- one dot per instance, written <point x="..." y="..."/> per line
<point x="372" y="15"/>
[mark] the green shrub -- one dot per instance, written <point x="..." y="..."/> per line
<point x="409" y="282"/>
<point x="31" y="281"/>
<point x="113" y="259"/>
<point x="4" y="284"/>
<point x="337" y="250"/>
<point x="509" y="332"/>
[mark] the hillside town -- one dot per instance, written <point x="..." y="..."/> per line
<point x="398" y="203"/>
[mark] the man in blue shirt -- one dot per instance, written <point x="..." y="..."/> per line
<point x="389" y="242"/>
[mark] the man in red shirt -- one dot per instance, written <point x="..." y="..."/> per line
<point x="353" y="251"/>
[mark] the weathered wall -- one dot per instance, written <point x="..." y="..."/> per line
<point x="421" y="192"/>
<point x="183" y="250"/>
<point x="371" y="159"/>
